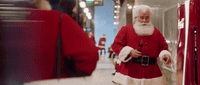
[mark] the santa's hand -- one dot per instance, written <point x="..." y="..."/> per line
<point x="135" y="53"/>
<point x="167" y="59"/>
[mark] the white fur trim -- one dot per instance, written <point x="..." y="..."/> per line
<point x="101" y="46"/>
<point x="124" y="53"/>
<point x="102" y="42"/>
<point x="127" y="80"/>
<point x="165" y="52"/>
<point x="117" y="61"/>
<point x="143" y="31"/>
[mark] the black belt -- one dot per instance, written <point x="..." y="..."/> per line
<point x="144" y="60"/>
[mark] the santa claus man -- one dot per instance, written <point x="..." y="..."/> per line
<point x="138" y="46"/>
<point x="101" y="44"/>
<point x="91" y="36"/>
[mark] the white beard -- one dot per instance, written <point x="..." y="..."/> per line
<point x="143" y="29"/>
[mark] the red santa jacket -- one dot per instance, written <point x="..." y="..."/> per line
<point x="153" y="46"/>
<point x="28" y="49"/>
<point x="102" y="42"/>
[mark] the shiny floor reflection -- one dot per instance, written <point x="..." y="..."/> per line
<point x="101" y="76"/>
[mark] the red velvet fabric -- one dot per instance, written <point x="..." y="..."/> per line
<point x="101" y="44"/>
<point x="29" y="53"/>
<point x="152" y="46"/>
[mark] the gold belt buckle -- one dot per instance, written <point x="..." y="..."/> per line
<point x="145" y="56"/>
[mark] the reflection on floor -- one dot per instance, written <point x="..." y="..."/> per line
<point x="101" y="76"/>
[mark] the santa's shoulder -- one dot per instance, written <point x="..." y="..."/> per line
<point x="130" y="26"/>
<point x="156" y="30"/>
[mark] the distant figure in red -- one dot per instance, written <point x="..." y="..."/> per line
<point x="91" y="36"/>
<point x="102" y="42"/>
<point x="110" y="51"/>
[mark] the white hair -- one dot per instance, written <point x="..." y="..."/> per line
<point x="41" y="4"/>
<point x="139" y="8"/>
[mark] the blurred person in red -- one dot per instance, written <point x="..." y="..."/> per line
<point x="113" y="56"/>
<point x="110" y="51"/>
<point x="138" y="46"/>
<point x="91" y="36"/>
<point x="31" y="55"/>
<point x="101" y="44"/>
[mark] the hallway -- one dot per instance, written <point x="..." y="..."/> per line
<point x="101" y="76"/>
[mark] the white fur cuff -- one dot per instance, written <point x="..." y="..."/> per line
<point x="165" y="52"/>
<point x="102" y="42"/>
<point x="101" y="46"/>
<point x="117" y="61"/>
<point x="127" y="80"/>
<point x="124" y="53"/>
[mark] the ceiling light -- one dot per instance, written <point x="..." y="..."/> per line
<point x="115" y="23"/>
<point x="129" y="7"/>
<point x="82" y="4"/>
<point x="89" y="17"/>
<point x="85" y="10"/>
<point x="118" y="6"/>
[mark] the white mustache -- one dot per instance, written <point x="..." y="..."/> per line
<point x="144" y="24"/>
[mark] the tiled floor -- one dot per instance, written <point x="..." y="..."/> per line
<point x="101" y="76"/>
